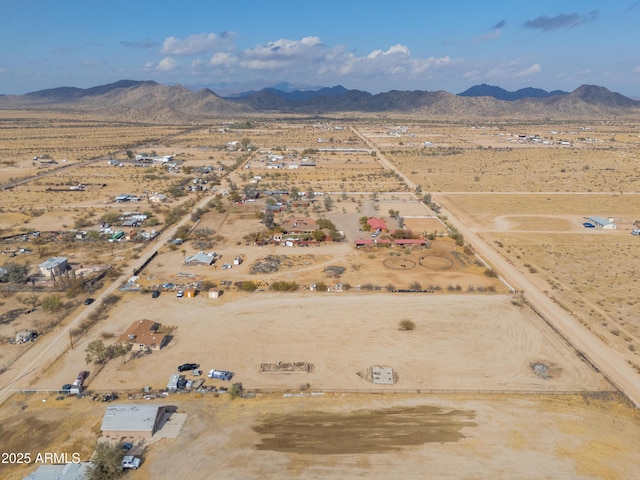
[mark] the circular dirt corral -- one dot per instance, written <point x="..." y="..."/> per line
<point x="436" y="263"/>
<point x="399" y="263"/>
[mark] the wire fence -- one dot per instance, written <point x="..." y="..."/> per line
<point x="356" y="391"/>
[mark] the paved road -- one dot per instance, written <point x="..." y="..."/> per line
<point x="602" y="356"/>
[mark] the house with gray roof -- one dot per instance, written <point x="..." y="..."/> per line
<point x="200" y="258"/>
<point x="54" y="266"/>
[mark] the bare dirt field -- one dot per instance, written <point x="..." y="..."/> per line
<point x="398" y="436"/>
<point x="468" y="342"/>
<point x="588" y="269"/>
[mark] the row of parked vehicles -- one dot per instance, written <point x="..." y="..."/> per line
<point x="179" y="382"/>
<point x="195" y="370"/>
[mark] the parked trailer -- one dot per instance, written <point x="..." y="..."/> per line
<point x="172" y="385"/>
<point x="221" y="374"/>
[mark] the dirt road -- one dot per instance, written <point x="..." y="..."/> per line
<point x="605" y="358"/>
<point x="51" y="347"/>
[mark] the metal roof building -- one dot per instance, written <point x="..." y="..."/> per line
<point x="603" y="222"/>
<point x="67" y="471"/>
<point x="132" y="420"/>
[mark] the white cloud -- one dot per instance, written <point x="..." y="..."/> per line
<point x="511" y="69"/>
<point x="223" y="60"/>
<point x="533" y="69"/>
<point x="195" y="44"/>
<point x="305" y="59"/>
<point x="282" y="51"/>
<point x="167" y="64"/>
<point x="491" y="35"/>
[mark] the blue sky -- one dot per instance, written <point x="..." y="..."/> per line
<point x="237" y="45"/>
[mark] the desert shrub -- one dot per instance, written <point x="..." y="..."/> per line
<point x="489" y="272"/>
<point x="406" y="325"/>
<point x="249" y="286"/>
<point x="236" y="390"/>
<point x="283" y="286"/>
<point x="52" y="304"/>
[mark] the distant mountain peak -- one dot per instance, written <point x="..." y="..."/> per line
<point x="500" y="93"/>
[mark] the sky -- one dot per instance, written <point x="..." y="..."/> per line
<point x="239" y="45"/>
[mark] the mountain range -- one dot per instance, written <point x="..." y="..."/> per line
<point x="150" y="101"/>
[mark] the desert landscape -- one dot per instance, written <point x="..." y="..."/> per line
<point x="304" y="256"/>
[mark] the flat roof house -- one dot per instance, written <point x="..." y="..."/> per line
<point x="53" y="266"/>
<point x="132" y="420"/>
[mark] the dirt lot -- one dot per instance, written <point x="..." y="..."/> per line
<point x="474" y="342"/>
<point x="469" y="437"/>
<point x="588" y="269"/>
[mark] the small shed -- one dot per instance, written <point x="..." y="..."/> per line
<point x="214" y="293"/>
<point x="189" y="292"/>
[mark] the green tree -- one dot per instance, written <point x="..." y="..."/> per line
<point x="267" y="219"/>
<point x="97" y="352"/>
<point x="318" y="235"/>
<point x="52" y="304"/>
<point x="106" y="463"/>
<point x="15" y="272"/>
<point x="328" y="203"/>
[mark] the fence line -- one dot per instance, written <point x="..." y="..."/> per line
<point x="312" y="392"/>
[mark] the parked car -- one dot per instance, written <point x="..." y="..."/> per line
<point x="588" y="225"/>
<point x="129" y="462"/>
<point x="89" y="301"/>
<point x="66" y="388"/>
<point x="196" y="372"/>
<point x="155" y="294"/>
<point x="180" y="294"/>
<point x="82" y="376"/>
<point x="187" y="366"/>
<point x="126" y="446"/>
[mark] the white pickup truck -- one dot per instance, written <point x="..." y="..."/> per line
<point x="129" y="462"/>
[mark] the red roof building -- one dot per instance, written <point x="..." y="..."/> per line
<point x="377" y="224"/>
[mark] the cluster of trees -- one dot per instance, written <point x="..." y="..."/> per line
<point x="284" y="286"/>
<point x="14" y="272"/>
<point x="98" y="353"/>
<point x="106" y="463"/>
